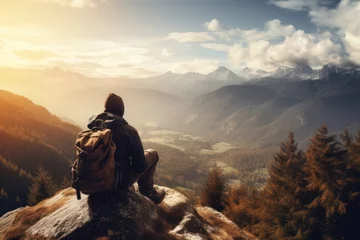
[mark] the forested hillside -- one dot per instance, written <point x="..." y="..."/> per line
<point x="311" y="194"/>
<point x="30" y="137"/>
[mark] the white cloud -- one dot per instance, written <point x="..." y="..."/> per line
<point x="165" y="52"/>
<point x="342" y="18"/>
<point x="213" y="25"/>
<point x="190" y="37"/>
<point x="76" y="3"/>
<point x="273" y="29"/>
<point x="345" y="19"/>
<point x="315" y="50"/>
<point x="277" y="44"/>
<point x="297" y="5"/>
<point x="216" y="46"/>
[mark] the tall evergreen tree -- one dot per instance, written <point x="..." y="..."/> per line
<point x="213" y="193"/>
<point x="241" y="202"/>
<point x="327" y="168"/>
<point x="42" y="187"/>
<point x="356" y="151"/>
<point x="283" y="195"/>
<point x="4" y="202"/>
<point x="352" y="188"/>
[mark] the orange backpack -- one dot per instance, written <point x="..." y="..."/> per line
<point x="94" y="170"/>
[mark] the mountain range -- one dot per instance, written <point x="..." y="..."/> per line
<point x="192" y="84"/>
<point x="76" y="97"/>
<point x="261" y="115"/>
<point x="243" y="107"/>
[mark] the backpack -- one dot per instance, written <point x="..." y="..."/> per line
<point x="95" y="169"/>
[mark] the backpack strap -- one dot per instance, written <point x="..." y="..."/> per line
<point x="78" y="194"/>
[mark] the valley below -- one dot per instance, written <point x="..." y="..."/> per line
<point x="185" y="160"/>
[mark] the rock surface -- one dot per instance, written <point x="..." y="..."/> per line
<point x="124" y="215"/>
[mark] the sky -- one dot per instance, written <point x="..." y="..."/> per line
<point x="142" y="38"/>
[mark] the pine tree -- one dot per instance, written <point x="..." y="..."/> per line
<point x="42" y="187"/>
<point x="327" y="168"/>
<point x="241" y="202"/>
<point x="351" y="194"/>
<point x="283" y="199"/>
<point x="4" y="202"/>
<point x="356" y="151"/>
<point x="18" y="202"/>
<point x="66" y="183"/>
<point x="213" y="193"/>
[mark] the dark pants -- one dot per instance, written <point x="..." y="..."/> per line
<point x="145" y="180"/>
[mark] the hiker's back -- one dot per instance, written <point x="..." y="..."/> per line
<point x="122" y="139"/>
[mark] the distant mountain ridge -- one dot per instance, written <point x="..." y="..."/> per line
<point x="150" y="99"/>
<point x="192" y="84"/>
<point x="261" y="115"/>
<point x="297" y="72"/>
<point x="77" y="97"/>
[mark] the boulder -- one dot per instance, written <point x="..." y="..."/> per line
<point x="122" y="215"/>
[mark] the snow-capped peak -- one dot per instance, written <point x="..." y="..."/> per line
<point x="223" y="74"/>
<point x="251" y="73"/>
<point x="300" y="71"/>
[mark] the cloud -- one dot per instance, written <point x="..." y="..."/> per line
<point x="35" y="55"/>
<point x="30" y="32"/>
<point x="165" y="52"/>
<point x="296" y="5"/>
<point x="343" y="18"/>
<point x="216" y="46"/>
<point x="31" y="46"/>
<point x="76" y="3"/>
<point x="279" y="44"/>
<point x="213" y="25"/>
<point x="315" y="50"/>
<point x="273" y="29"/>
<point x="77" y="65"/>
<point x="190" y="37"/>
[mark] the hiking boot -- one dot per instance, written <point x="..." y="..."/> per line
<point x="154" y="195"/>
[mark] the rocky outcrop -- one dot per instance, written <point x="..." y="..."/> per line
<point x="124" y="215"/>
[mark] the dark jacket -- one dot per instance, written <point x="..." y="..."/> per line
<point x="129" y="152"/>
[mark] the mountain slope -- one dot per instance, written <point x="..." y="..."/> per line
<point x="31" y="137"/>
<point x="77" y="97"/>
<point x="262" y="115"/>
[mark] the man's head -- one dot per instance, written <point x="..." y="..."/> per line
<point x="115" y="105"/>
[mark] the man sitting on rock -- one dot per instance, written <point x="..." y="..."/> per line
<point x="135" y="165"/>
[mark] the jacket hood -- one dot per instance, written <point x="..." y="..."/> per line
<point x="114" y="104"/>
